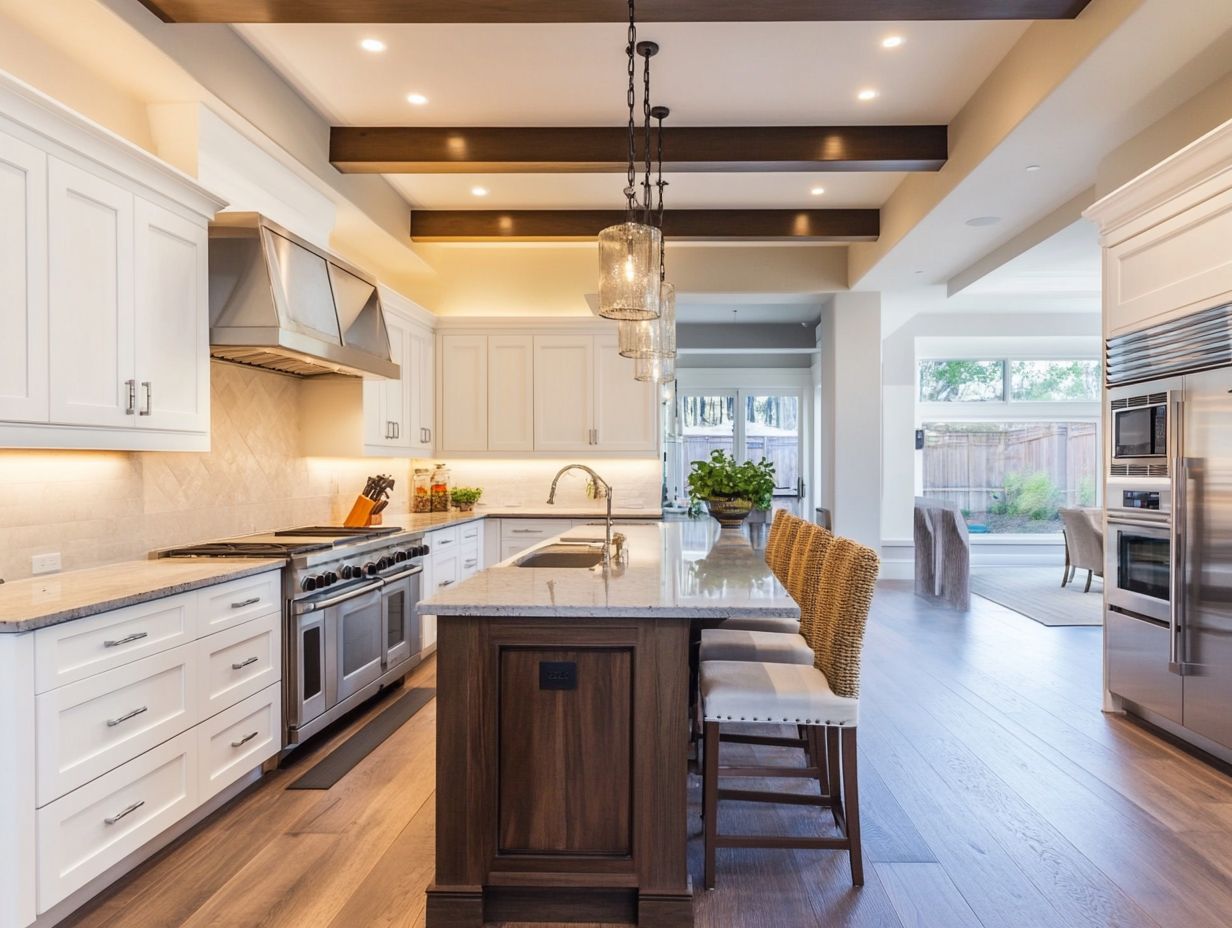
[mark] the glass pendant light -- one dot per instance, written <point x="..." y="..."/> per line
<point x="630" y="252"/>
<point x="657" y="336"/>
<point x="654" y="370"/>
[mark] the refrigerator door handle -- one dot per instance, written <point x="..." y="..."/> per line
<point x="1177" y="533"/>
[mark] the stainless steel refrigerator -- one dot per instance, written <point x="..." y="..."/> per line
<point x="1168" y="545"/>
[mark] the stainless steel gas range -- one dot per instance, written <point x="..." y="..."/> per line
<point x="350" y="627"/>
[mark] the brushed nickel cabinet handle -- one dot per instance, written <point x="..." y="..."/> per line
<point x="112" y="723"/>
<point x="244" y="740"/>
<point x="242" y="664"/>
<point x="127" y="639"/>
<point x="131" y="409"/>
<point x="471" y="563"/>
<point x="247" y="602"/>
<point x="112" y="819"/>
<point x="149" y="398"/>
<point x="444" y="583"/>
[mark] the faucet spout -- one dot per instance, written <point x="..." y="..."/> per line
<point x="601" y="487"/>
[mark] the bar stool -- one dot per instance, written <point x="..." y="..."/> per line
<point x="779" y="544"/>
<point x="822" y="699"/>
<point x="780" y="647"/>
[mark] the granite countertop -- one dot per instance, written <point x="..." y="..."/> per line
<point x="427" y="521"/>
<point x="49" y="600"/>
<point x="675" y="570"/>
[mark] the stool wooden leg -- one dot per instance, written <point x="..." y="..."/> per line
<point x="851" y="805"/>
<point x="710" y="795"/>
<point x="833" y="771"/>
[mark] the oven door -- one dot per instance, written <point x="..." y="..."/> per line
<point x="359" y="624"/>
<point x="312" y="652"/>
<point x="1138" y="574"/>
<point x="401" y="626"/>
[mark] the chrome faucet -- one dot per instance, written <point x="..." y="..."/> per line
<point x="602" y="488"/>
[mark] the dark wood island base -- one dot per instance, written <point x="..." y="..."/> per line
<point x="562" y="753"/>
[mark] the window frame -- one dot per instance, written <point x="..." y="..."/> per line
<point x="1007" y="381"/>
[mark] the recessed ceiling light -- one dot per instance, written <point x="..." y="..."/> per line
<point x="892" y="41"/>
<point x="867" y="94"/>
<point x="479" y="191"/>
<point x="817" y="191"/>
<point x="983" y="221"/>
<point x="416" y="99"/>
<point x="1032" y="168"/>
<point x="372" y="45"/>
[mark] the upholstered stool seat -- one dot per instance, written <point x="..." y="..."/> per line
<point x="785" y="694"/>
<point x="757" y="623"/>
<point x="731" y="644"/>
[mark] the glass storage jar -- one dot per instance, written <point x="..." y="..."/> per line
<point x="421" y="490"/>
<point x="440" y="489"/>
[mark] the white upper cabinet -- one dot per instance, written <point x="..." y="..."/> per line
<point x="626" y="410"/>
<point x="421" y="345"/>
<point x="172" y="321"/>
<point x="464" y="393"/>
<point x="511" y="384"/>
<point x="386" y="401"/>
<point x="93" y="380"/>
<point x="564" y="392"/>
<point x="547" y="394"/>
<point x="23" y="282"/>
<point x="103" y="287"/>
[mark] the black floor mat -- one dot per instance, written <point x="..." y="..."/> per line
<point x="344" y="757"/>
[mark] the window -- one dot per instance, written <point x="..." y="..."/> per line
<point x="1011" y="477"/>
<point x="1010" y="381"/>
<point x="962" y="381"/>
<point x="1054" y="381"/>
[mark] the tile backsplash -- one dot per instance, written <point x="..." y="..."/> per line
<point x="99" y="507"/>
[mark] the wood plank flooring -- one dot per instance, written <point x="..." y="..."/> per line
<point x="995" y="794"/>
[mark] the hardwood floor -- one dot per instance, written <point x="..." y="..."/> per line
<point x="994" y="794"/>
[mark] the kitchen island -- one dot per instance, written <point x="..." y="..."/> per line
<point x="563" y="726"/>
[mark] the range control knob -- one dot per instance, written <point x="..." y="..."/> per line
<point x="424" y="550"/>
<point x="322" y="582"/>
<point x="309" y="584"/>
<point x="330" y="578"/>
<point x="399" y="557"/>
<point x="383" y="563"/>
<point x="346" y="571"/>
<point x="370" y="569"/>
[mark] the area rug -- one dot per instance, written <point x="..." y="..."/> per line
<point x="343" y="759"/>
<point x="1036" y="592"/>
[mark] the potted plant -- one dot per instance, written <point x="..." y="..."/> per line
<point x="730" y="490"/>
<point x="464" y="498"/>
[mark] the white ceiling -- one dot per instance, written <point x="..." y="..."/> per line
<point x="1067" y="263"/>
<point x="768" y="312"/>
<point x="573" y="74"/>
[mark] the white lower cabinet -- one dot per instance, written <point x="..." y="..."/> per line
<point x="238" y="739"/>
<point x="95" y="827"/>
<point x="133" y="719"/>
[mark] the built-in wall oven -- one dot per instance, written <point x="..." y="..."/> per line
<point x="1138" y="553"/>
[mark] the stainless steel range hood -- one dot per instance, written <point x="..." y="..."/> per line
<point x="279" y="302"/>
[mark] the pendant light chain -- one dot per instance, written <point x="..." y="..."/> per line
<point x="648" y="202"/>
<point x="661" y="184"/>
<point x="631" y="51"/>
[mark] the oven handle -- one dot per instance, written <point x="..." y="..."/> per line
<point x="402" y="576"/>
<point x="1176" y="533"/>
<point x="306" y="607"/>
<point x="1163" y="525"/>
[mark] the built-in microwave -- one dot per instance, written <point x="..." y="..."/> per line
<point x="1140" y="427"/>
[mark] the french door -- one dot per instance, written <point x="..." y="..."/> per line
<point x="749" y="424"/>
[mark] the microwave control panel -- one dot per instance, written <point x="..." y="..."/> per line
<point x="1140" y="499"/>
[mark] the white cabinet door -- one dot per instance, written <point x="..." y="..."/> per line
<point x="172" y="321"/>
<point x="421" y="426"/>
<point x="385" y="401"/>
<point x="464" y="393"/>
<point x="564" y="392"/>
<point x="91" y="298"/>
<point x="511" y="392"/>
<point x="23" y="282"/>
<point x="626" y="411"/>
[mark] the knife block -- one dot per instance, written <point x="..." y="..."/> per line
<point x="360" y="515"/>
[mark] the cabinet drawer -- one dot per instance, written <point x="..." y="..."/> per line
<point x="532" y="530"/>
<point x="468" y="561"/>
<point x="237" y="601"/>
<point x="88" y="728"/>
<point x="443" y="540"/>
<point x="239" y="662"/>
<point x="237" y="740"/>
<point x="470" y="531"/>
<point x="76" y="650"/>
<point x="92" y="828"/>
<point x="445" y="572"/>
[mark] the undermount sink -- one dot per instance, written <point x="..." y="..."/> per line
<point x="562" y="556"/>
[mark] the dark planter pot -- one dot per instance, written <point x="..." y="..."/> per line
<point x="729" y="513"/>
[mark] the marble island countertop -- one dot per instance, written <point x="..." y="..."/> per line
<point x="674" y="569"/>
<point x="54" y="598"/>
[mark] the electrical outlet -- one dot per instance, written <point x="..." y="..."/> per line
<point x="45" y="563"/>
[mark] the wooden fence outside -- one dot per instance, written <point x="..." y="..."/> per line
<point x="970" y="468"/>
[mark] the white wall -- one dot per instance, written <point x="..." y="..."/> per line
<point x="918" y="327"/>
<point x="851" y="413"/>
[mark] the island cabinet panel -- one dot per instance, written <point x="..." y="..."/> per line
<point x="565" y="725"/>
<point x="566" y="801"/>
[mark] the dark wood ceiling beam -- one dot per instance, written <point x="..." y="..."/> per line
<point x="414" y="150"/>
<point x="602" y="11"/>
<point x="818" y="225"/>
